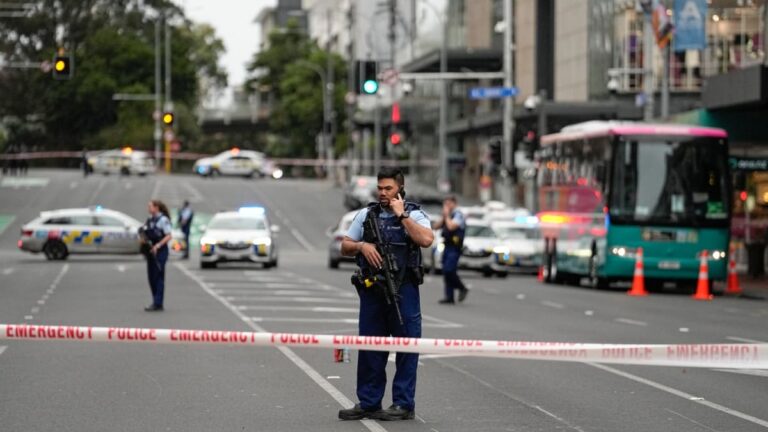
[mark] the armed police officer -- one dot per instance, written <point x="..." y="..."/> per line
<point x="155" y="235"/>
<point x="386" y="308"/>
<point x="453" y="229"/>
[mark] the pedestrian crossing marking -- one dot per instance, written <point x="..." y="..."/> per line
<point x="20" y="182"/>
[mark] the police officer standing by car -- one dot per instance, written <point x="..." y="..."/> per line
<point x="405" y="228"/>
<point x="454" y="227"/>
<point x="155" y="235"/>
<point x="185" y="223"/>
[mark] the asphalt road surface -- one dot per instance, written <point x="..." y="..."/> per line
<point x="68" y="386"/>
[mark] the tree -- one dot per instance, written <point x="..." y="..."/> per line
<point x="285" y="69"/>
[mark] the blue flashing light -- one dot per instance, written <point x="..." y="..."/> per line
<point x="202" y="169"/>
<point x="252" y="211"/>
<point x="532" y="220"/>
<point x="98" y="208"/>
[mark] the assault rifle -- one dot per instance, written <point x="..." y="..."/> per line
<point x="389" y="269"/>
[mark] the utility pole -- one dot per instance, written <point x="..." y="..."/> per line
<point x="444" y="184"/>
<point x="328" y="89"/>
<point x="168" y="99"/>
<point x="648" y="81"/>
<point x="509" y="107"/>
<point x="158" y="89"/>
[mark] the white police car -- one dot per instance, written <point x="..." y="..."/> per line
<point x="92" y="230"/>
<point x="125" y="161"/>
<point x="244" y="235"/>
<point x="234" y="162"/>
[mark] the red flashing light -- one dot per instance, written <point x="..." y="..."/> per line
<point x="743" y="195"/>
<point x="395" y="113"/>
<point x="395" y="139"/>
<point x="581" y="181"/>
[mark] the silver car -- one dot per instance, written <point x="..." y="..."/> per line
<point x="337" y="234"/>
<point x="92" y="230"/>
<point x="244" y="235"/>
<point x="480" y="245"/>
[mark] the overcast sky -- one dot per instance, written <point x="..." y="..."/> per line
<point x="234" y="24"/>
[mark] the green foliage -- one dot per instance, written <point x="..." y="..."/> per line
<point x="289" y="69"/>
<point x="112" y="42"/>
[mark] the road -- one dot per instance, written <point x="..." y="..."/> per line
<point x="67" y="386"/>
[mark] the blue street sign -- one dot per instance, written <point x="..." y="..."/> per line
<point x="492" y="92"/>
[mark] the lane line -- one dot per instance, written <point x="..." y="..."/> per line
<point x="741" y="339"/>
<point x="288" y="299"/>
<point x="73" y="185"/>
<point x="195" y="195"/>
<point x="328" y="321"/>
<point x="7" y="224"/>
<point x="329" y="388"/>
<point x="121" y="268"/>
<point x="682" y="394"/>
<point x="631" y="322"/>
<point x="692" y="420"/>
<point x="8" y="271"/>
<point x="156" y="189"/>
<point x="553" y="304"/>
<point x="2" y="349"/>
<point x="753" y="372"/>
<point x="301" y="239"/>
<point x="317" y="309"/>
<point x="92" y="198"/>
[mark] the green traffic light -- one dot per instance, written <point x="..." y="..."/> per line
<point x="370" y="86"/>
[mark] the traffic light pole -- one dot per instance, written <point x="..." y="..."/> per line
<point x="509" y="109"/>
<point x="158" y="96"/>
<point x="168" y="100"/>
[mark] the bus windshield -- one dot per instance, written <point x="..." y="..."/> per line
<point x="670" y="181"/>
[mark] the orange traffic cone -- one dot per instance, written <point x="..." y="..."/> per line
<point x="540" y="276"/>
<point x="638" y="280"/>
<point x="732" y="286"/>
<point x="702" y="287"/>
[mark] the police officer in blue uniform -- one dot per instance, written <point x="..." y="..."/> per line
<point x="453" y="230"/>
<point x="185" y="223"/>
<point x="156" y="233"/>
<point x="406" y="228"/>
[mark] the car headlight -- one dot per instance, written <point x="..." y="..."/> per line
<point x="501" y="250"/>
<point x="718" y="255"/>
<point x="208" y="241"/>
<point x="624" y="251"/>
<point x="265" y="241"/>
<point x="277" y="174"/>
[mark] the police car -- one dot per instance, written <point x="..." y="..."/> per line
<point x="234" y="162"/>
<point x="520" y="249"/>
<point x="92" y="230"/>
<point x="480" y="245"/>
<point x="244" y="235"/>
<point x="125" y="161"/>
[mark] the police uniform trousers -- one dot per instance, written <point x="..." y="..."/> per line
<point x="156" y="274"/>
<point x="379" y="319"/>
<point x="451" y="278"/>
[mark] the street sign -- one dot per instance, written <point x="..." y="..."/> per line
<point x="168" y="135"/>
<point x="175" y="146"/>
<point x="492" y="92"/>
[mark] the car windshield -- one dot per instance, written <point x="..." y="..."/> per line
<point x="238" y="223"/>
<point x="670" y="181"/>
<point x="515" y="233"/>
<point x="480" y="231"/>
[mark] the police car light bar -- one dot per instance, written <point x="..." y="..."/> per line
<point x="251" y="210"/>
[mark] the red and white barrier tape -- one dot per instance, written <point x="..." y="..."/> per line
<point x="733" y="356"/>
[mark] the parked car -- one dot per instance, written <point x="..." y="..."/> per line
<point x="360" y="191"/>
<point x="234" y="162"/>
<point x="520" y="248"/>
<point x="480" y="245"/>
<point x="125" y="161"/>
<point x="337" y="234"/>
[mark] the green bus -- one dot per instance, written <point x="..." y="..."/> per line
<point x="608" y="190"/>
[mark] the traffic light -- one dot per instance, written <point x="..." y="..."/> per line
<point x="367" y="80"/>
<point x="168" y="118"/>
<point x="494" y="147"/>
<point x="396" y="137"/>
<point x="62" y="67"/>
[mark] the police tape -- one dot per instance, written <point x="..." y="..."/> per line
<point x="732" y="356"/>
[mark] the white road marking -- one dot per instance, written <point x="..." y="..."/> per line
<point x="553" y="304"/>
<point x="28" y="182"/>
<point x="301" y="239"/>
<point x="333" y="377"/>
<point x="121" y="268"/>
<point x="589" y="313"/>
<point x="298" y="361"/>
<point x="2" y="229"/>
<point x="194" y="194"/>
<point x="441" y="322"/>
<point x="520" y="296"/>
<point x="684" y="329"/>
<point x="8" y="271"/>
<point x="2" y="348"/>
<point x="41" y="302"/>
<point x="288" y="299"/>
<point x="305" y="320"/>
<point x="741" y="339"/>
<point x="73" y="185"/>
<point x="128" y="185"/>
<point x="631" y="322"/>
<point x="753" y="372"/>
<point x="28" y="317"/>
<point x="257" y="285"/>
<point x="35" y="310"/>
<point x="682" y="394"/>
<point x="156" y="189"/>
<point x="692" y="420"/>
<point x="318" y="309"/>
<point x="95" y="193"/>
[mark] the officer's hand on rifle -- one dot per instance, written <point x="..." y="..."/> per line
<point x="371" y="254"/>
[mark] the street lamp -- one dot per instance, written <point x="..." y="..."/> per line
<point x="327" y="100"/>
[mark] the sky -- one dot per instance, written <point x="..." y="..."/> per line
<point x="234" y="24"/>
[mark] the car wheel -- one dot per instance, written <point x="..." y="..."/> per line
<point x="55" y="250"/>
<point x="487" y="273"/>
<point x="502" y="274"/>
<point x="595" y="280"/>
<point x="124" y="171"/>
<point x="249" y="175"/>
<point x="207" y="265"/>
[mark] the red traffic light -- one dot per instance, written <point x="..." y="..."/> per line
<point x="743" y="195"/>
<point x="395" y="138"/>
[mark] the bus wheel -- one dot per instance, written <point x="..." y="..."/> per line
<point x="554" y="275"/>
<point x="594" y="279"/>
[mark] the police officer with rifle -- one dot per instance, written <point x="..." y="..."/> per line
<point x="386" y="237"/>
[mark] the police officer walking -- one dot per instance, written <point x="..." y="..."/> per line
<point x="454" y="227"/>
<point x="405" y="228"/>
<point x="185" y="223"/>
<point x="156" y="233"/>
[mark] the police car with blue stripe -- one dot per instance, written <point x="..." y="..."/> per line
<point x="92" y="230"/>
<point x="244" y="235"/>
